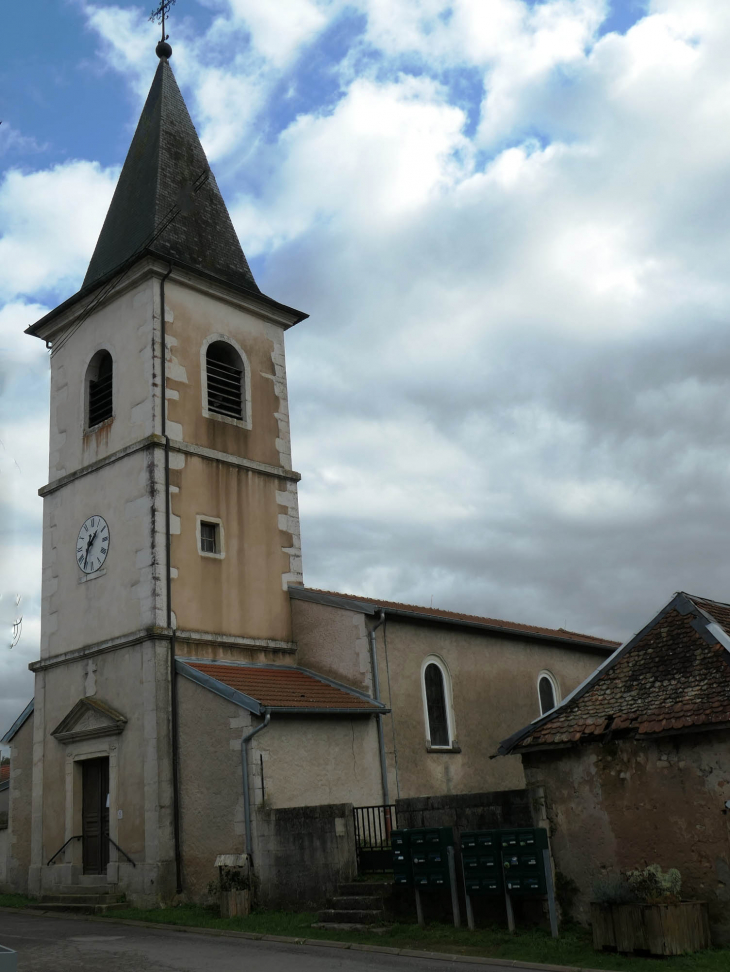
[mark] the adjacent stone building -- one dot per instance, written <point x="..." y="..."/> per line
<point x="636" y="763"/>
<point x="189" y="688"/>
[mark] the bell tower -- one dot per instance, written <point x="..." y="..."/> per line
<point x="170" y="515"/>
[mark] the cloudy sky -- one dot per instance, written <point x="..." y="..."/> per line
<point x="510" y="223"/>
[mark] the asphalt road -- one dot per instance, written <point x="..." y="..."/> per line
<point x="55" y="944"/>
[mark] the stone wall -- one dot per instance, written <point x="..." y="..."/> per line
<point x="623" y="805"/>
<point x="3" y="854"/>
<point x="474" y="811"/>
<point x="18" y="837"/>
<point x="303" y="853"/>
<point x="492" y="689"/>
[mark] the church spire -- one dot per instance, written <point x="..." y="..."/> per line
<point x="167" y="201"/>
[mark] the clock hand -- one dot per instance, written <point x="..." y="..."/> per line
<point x="88" y="545"/>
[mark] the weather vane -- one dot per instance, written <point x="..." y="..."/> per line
<point x="158" y="15"/>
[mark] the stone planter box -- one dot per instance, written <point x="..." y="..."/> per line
<point x="235" y="904"/>
<point x="660" y="929"/>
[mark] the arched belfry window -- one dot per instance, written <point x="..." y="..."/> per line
<point x="548" y="692"/>
<point x="437" y="704"/>
<point x="225" y="375"/>
<point x="99" y="389"/>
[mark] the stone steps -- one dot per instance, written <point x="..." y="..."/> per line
<point x="351" y="916"/>
<point x="83" y="900"/>
<point x="371" y="902"/>
<point x="363" y="888"/>
<point x="355" y="906"/>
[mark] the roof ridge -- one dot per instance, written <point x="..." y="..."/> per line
<point x="465" y="616"/>
<point x="668" y="677"/>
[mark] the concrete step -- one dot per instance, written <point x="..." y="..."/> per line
<point x="363" y="887"/>
<point x="352" y="902"/>
<point x="81" y="898"/>
<point x="93" y="880"/>
<point x="79" y="909"/>
<point x="350" y="926"/>
<point x="362" y="917"/>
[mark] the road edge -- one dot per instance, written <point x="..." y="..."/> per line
<point x="287" y="940"/>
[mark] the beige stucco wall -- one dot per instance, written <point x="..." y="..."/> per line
<point x="126" y="595"/>
<point x="233" y="607"/>
<point x="211" y="797"/>
<point x="493" y="682"/>
<point x="135" y="682"/>
<point x="244" y="593"/>
<point x="240" y="594"/>
<point x="307" y="761"/>
<point x="18" y="834"/>
<point x="629" y="803"/>
<point x="124" y="327"/>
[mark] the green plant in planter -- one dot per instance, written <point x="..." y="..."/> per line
<point x="653" y="886"/>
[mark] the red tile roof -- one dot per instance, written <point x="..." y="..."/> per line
<point x="674" y="675"/>
<point x="288" y="688"/>
<point x="561" y="633"/>
<point x="4" y="772"/>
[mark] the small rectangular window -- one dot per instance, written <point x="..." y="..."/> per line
<point x="209" y="537"/>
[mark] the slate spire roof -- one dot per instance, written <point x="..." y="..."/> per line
<point x="164" y="166"/>
<point x="673" y="676"/>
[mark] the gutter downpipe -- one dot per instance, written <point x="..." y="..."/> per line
<point x="168" y="590"/>
<point x="244" y="778"/>
<point x="376" y="693"/>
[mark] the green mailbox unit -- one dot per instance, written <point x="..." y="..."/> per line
<point x="420" y="857"/>
<point x="400" y="847"/>
<point x="481" y="856"/>
<point x="523" y="862"/>
<point x="429" y="857"/>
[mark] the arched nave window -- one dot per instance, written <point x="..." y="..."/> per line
<point x="436" y="686"/>
<point x="547" y="691"/>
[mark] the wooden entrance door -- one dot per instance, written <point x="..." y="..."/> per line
<point x="95" y="809"/>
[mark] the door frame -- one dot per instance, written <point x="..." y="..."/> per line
<point x="76" y="754"/>
<point x="95" y="802"/>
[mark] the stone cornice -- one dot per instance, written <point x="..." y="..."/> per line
<point x="158" y="441"/>
<point x="52" y="326"/>
<point x="157" y="633"/>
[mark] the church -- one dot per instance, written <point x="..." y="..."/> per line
<point x="189" y="683"/>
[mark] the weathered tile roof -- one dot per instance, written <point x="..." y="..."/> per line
<point x="280" y="687"/>
<point x="4" y="772"/>
<point x="558" y="633"/>
<point x="674" y="675"/>
<point x="164" y="161"/>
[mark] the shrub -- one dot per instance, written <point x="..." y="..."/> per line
<point x="653" y="886"/>
<point x="613" y="889"/>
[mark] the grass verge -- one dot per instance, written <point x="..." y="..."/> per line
<point x="573" y="948"/>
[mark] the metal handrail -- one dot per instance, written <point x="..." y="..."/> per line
<point x="114" y="843"/>
<point x="75" y="837"/>
<point x="80" y="837"/>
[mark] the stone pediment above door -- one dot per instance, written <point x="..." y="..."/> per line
<point x="87" y="719"/>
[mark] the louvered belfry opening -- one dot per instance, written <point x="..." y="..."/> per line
<point x="100" y="389"/>
<point x="224" y="371"/>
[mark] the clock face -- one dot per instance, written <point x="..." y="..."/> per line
<point x="92" y="545"/>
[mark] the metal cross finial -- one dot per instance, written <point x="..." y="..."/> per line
<point x="160" y="13"/>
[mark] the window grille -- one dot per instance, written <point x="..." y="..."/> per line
<point x="100" y="390"/>
<point x="546" y="691"/>
<point x="438" y="721"/>
<point x="225" y="380"/>
<point x="208" y="537"/>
